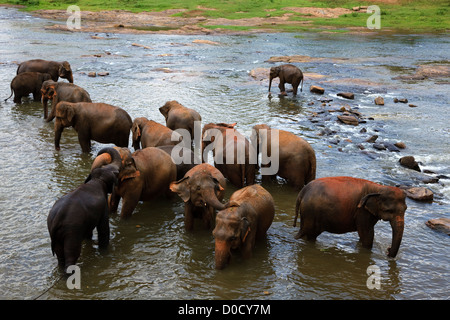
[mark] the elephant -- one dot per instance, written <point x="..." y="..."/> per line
<point x="179" y="117"/>
<point x="74" y="216"/>
<point x="61" y="91"/>
<point x="183" y="166"/>
<point x="202" y="189"/>
<point x="246" y="219"/>
<point x="296" y="158"/>
<point x="149" y="133"/>
<point x="287" y="73"/>
<point x="239" y="170"/>
<point x="101" y="122"/>
<point x="27" y="82"/>
<point x="346" y="204"/>
<point x="54" y="68"/>
<point x="145" y="175"/>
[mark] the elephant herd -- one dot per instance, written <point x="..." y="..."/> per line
<point x="332" y="204"/>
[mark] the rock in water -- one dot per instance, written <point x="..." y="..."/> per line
<point x="317" y="89"/>
<point x="440" y="224"/>
<point x="419" y="194"/>
<point x="409" y="162"/>
<point x="379" y="101"/>
<point x="346" y="95"/>
<point x="349" y="120"/>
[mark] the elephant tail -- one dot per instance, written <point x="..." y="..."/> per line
<point x="297" y="206"/>
<point x="10" y="95"/>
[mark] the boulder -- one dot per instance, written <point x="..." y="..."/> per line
<point x="400" y="145"/>
<point x="403" y="100"/>
<point x="439" y="224"/>
<point x="317" y="89"/>
<point x="419" y="194"/>
<point x="372" y="139"/>
<point x="346" y="95"/>
<point x="379" y="101"/>
<point x="349" y="120"/>
<point x="409" y="162"/>
<point x="92" y="74"/>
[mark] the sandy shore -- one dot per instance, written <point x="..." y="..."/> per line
<point x="120" y="21"/>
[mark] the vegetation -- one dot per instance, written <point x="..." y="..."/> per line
<point x="405" y="15"/>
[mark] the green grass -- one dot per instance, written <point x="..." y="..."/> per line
<point x="409" y="15"/>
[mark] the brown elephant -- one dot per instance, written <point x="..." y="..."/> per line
<point x="54" y="68"/>
<point x="100" y="122"/>
<point x="74" y="216"/>
<point x="27" y="82"/>
<point x="346" y="204"/>
<point x="61" y="91"/>
<point x="145" y="175"/>
<point x="179" y="117"/>
<point x="233" y="153"/>
<point x="202" y="189"/>
<point x="296" y="158"/>
<point x="185" y="158"/>
<point x="248" y="216"/>
<point x="287" y="73"/>
<point x="149" y="133"/>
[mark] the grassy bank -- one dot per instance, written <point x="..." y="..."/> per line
<point x="404" y="15"/>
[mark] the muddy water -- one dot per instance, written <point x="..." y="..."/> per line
<point x="151" y="256"/>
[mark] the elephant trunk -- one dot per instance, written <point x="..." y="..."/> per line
<point x="222" y="253"/>
<point x="270" y="82"/>
<point x="107" y="156"/>
<point x="211" y="199"/>
<point x="397" y="225"/>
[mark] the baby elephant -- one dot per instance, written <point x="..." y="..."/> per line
<point x="248" y="216"/>
<point x="61" y="91"/>
<point x="346" y="204"/>
<point x="287" y="73"/>
<point x="101" y="122"/>
<point x="74" y="216"/>
<point x="28" y="82"/>
<point x="202" y="190"/>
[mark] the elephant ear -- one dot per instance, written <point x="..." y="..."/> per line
<point x="165" y="110"/>
<point x="370" y="203"/>
<point x="245" y="228"/>
<point x="217" y="183"/>
<point x="136" y="131"/>
<point x="70" y="113"/>
<point x="181" y="187"/>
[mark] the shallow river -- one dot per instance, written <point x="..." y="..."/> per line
<point x="151" y="256"/>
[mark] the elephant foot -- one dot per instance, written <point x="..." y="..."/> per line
<point x="283" y="93"/>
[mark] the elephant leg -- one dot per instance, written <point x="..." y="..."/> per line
<point x="17" y="97"/>
<point x="72" y="249"/>
<point x="282" y="88"/>
<point x="85" y="141"/>
<point x="366" y="237"/>
<point x="103" y="231"/>
<point x="307" y="230"/>
<point x="188" y="216"/>
<point x="58" y="249"/>
<point x="295" y="87"/>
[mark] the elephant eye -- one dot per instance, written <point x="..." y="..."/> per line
<point x="232" y="238"/>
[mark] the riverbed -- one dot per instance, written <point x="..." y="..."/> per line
<point x="150" y="255"/>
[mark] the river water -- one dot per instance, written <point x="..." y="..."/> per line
<point x="151" y="256"/>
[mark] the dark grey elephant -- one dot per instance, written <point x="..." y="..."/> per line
<point x="74" y="216"/>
